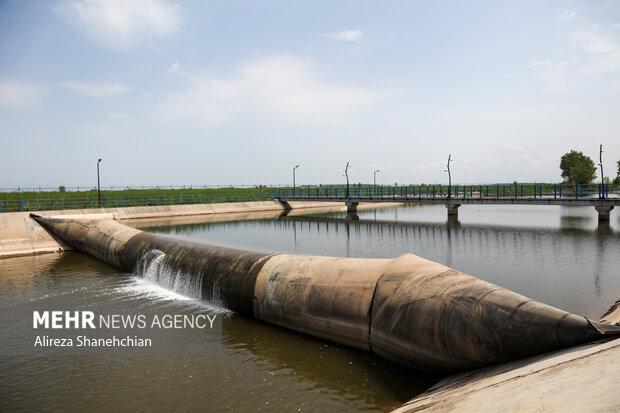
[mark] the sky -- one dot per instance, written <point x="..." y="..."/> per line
<point x="237" y="92"/>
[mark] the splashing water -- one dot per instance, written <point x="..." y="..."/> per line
<point x="152" y="268"/>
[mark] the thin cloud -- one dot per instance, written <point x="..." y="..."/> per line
<point x="118" y="116"/>
<point x="426" y="166"/>
<point x="554" y="74"/>
<point x="96" y="90"/>
<point x="176" y="69"/>
<point x="602" y="52"/>
<point x="567" y="15"/>
<point x="540" y="62"/>
<point x="512" y="147"/>
<point x="346" y="35"/>
<point x="280" y="88"/>
<point x="17" y="95"/>
<point x="121" y="25"/>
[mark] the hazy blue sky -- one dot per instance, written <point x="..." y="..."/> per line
<point x="239" y="92"/>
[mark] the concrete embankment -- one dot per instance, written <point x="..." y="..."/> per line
<point x="409" y="310"/>
<point x="20" y="235"/>
<point x="585" y="378"/>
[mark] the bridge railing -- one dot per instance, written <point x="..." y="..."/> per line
<point x="517" y="191"/>
<point x="127" y="201"/>
<point x="412" y="192"/>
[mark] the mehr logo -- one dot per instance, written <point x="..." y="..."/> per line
<point x="87" y="319"/>
<point x="63" y="319"/>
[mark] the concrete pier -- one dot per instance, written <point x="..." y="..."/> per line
<point x="352" y="206"/>
<point x="603" y="212"/>
<point x="453" y="209"/>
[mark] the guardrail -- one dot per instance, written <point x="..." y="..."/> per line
<point x="524" y="191"/>
<point x="128" y="201"/>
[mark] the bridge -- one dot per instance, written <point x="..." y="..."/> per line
<point x="602" y="197"/>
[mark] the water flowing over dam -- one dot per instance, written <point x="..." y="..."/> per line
<point x="410" y="310"/>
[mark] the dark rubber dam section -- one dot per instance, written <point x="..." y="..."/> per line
<point x="409" y="310"/>
<point x="223" y="274"/>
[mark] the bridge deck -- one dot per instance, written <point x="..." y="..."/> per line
<point x="606" y="202"/>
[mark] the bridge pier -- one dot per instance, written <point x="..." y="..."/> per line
<point x="453" y="209"/>
<point x="352" y="211"/>
<point x="351" y="207"/>
<point x="603" y="212"/>
<point x="287" y="207"/>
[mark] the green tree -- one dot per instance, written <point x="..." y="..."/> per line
<point x="617" y="179"/>
<point x="577" y="168"/>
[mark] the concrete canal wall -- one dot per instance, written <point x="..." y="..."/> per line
<point x="20" y="235"/>
<point x="584" y="378"/>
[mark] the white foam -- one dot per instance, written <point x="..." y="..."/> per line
<point x="142" y="288"/>
<point x="154" y="280"/>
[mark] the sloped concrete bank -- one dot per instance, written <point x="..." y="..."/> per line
<point x="20" y="235"/>
<point x="585" y="378"/>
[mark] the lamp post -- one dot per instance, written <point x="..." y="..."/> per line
<point x="294" y="179"/>
<point x="98" y="185"/>
<point x="602" y="175"/>
<point x="375" y="177"/>
<point x="449" y="177"/>
<point x="346" y="173"/>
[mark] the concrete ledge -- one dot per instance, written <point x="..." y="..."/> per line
<point x="22" y="236"/>
<point x="579" y="379"/>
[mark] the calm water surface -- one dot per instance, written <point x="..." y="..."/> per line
<point x="557" y="255"/>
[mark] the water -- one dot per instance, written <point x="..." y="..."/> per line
<point x="557" y="255"/>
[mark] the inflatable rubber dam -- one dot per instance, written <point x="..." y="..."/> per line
<point x="409" y="310"/>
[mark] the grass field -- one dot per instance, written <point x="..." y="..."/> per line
<point x="23" y="195"/>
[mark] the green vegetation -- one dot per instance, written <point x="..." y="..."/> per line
<point x="577" y="168"/>
<point x="171" y="193"/>
<point x="617" y="179"/>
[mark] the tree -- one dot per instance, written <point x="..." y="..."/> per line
<point x="617" y="180"/>
<point x="577" y="168"/>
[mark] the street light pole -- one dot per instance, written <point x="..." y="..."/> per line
<point x="449" y="177"/>
<point x="346" y="173"/>
<point x="602" y="175"/>
<point x="375" y="177"/>
<point x="98" y="185"/>
<point x="294" y="179"/>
